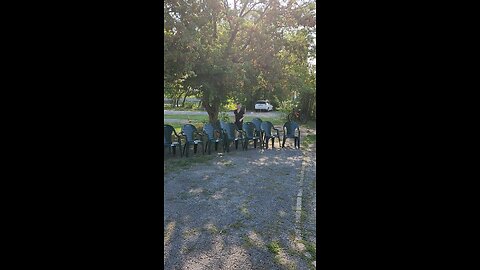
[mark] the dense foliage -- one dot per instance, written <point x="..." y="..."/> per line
<point x="240" y="49"/>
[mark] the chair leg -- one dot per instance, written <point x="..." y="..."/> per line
<point x="273" y="142"/>
<point x="266" y="142"/>
<point x="283" y="144"/>
<point x="236" y="145"/>
<point x="298" y="142"/>
<point x="254" y="143"/>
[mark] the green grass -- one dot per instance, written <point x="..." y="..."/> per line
<point x="309" y="139"/>
<point x="193" y="117"/>
<point x="247" y="242"/>
<point x="274" y="247"/>
<point x="178" y="163"/>
<point x="245" y="212"/>
<point x="199" y="118"/>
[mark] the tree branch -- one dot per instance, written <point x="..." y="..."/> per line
<point x="251" y="8"/>
<point x="243" y="9"/>
<point x="256" y="23"/>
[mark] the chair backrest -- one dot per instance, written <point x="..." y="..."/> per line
<point x="167" y="134"/>
<point x="210" y="131"/>
<point x="257" y="122"/>
<point x="229" y="129"/>
<point x="189" y="130"/>
<point x="291" y="127"/>
<point x="267" y="128"/>
<point x="249" y="129"/>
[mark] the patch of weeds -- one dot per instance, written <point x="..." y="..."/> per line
<point x="190" y="232"/>
<point x="247" y="242"/>
<point x="176" y="164"/>
<point x="245" y="212"/>
<point x="274" y="247"/>
<point x="292" y="235"/>
<point x="303" y="216"/>
<point x="293" y="252"/>
<point x="311" y="249"/>
<point x="237" y="225"/>
<point x="309" y="139"/>
<point x="213" y="230"/>
<point x="290" y="265"/>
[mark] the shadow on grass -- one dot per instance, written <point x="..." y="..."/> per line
<point x="173" y="164"/>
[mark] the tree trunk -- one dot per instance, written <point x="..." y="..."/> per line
<point x="212" y="109"/>
<point x="184" y="98"/>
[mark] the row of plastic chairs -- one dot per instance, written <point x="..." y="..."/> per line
<point x="256" y="131"/>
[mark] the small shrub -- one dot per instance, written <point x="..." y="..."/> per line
<point x="274" y="247"/>
<point x="286" y="107"/>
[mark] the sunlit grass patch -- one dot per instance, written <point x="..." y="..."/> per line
<point x="274" y="247"/>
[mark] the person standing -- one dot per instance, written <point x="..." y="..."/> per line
<point x="239" y="115"/>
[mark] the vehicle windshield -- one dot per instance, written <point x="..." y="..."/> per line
<point x="261" y="102"/>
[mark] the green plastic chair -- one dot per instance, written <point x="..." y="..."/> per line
<point x="258" y="126"/>
<point x="250" y="133"/>
<point x="168" y="142"/>
<point x="191" y="135"/>
<point x="231" y="135"/>
<point x="290" y="132"/>
<point x="214" y="136"/>
<point x="267" y="133"/>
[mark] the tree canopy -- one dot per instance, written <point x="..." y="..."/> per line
<point x="241" y="49"/>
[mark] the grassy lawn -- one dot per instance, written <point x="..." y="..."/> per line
<point x="174" y="164"/>
<point x="186" y="108"/>
<point x="197" y="120"/>
<point x="194" y="117"/>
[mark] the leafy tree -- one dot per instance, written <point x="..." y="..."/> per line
<point x="242" y="49"/>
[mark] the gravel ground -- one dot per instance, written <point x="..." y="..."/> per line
<point x="237" y="211"/>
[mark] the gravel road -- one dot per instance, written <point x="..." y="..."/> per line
<point x="238" y="211"/>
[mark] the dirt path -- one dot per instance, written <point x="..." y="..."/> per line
<point x="240" y="211"/>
